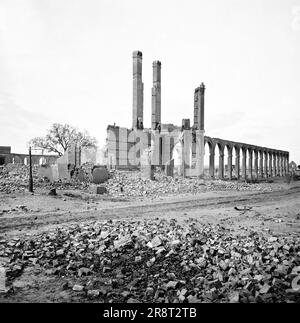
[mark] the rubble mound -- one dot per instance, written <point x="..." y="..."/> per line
<point x="15" y="178"/>
<point x="130" y="183"/>
<point x="160" y="261"/>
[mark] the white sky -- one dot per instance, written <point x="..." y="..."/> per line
<point x="71" y="61"/>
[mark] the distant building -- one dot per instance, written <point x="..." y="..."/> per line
<point x="6" y="157"/>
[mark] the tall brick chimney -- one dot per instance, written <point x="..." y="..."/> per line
<point x="199" y="107"/>
<point x="138" y="91"/>
<point x="156" y="95"/>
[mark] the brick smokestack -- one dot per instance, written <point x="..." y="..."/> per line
<point x="138" y="91"/>
<point x="199" y="107"/>
<point x="156" y="95"/>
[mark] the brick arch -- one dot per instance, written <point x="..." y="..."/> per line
<point x="220" y="144"/>
<point x="228" y="168"/>
<point x="266" y="159"/>
<point x="269" y="162"/>
<point x="244" y="149"/>
<point x="260" y="173"/>
<point x="229" y="147"/>
<point x="278" y="171"/>
<point x="251" y="159"/>
<point x="211" y="144"/>
<point x="237" y="169"/>
<point x="274" y="163"/>
<point x="262" y="160"/>
<point x="255" y="162"/>
<point x="237" y="148"/>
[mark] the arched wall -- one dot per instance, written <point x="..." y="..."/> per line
<point x="250" y="161"/>
<point x="35" y="159"/>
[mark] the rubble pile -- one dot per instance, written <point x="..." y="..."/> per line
<point x="15" y="178"/>
<point x="124" y="183"/>
<point x="160" y="261"/>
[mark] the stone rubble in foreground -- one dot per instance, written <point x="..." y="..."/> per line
<point x="157" y="260"/>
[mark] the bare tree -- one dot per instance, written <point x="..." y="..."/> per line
<point x="61" y="136"/>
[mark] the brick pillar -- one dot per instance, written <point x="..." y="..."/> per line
<point x="187" y="150"/>
<point x="199" y="107"/>
<point x="138" y="91"/>
<point x="261" y="164"/>
<point x="244" y="170"/>
<point x="271" y="168"/>
<point x="256" y="164"/>
<point x="285" y="166"/>
<point x="212" y="164"/>
<point x="266" y="164"/>
<point x="229" y="165"/>
<point x="237" y="165"/>
<point x="274" y="165"/>
<point x="221" y="165"/>
<point x="250" y="164"/>
<point x="200" y="151"/>
<point x="278" y="164"/>
<point x="196" y="108"/>
<point x="202" y="92"/>
<point x="156" y="96"/>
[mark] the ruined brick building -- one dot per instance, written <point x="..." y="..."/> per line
<point x="6" y="157"/>
<point x="184" y="147"/>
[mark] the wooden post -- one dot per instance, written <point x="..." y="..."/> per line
<point x="30" y="172"/>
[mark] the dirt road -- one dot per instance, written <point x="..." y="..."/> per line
<point x="278" y="210"/>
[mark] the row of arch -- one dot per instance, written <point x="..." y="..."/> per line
<point x="244" y="161"/>
<point x="35" y="159"/>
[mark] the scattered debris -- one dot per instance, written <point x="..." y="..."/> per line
<point x="245" y="208"/>
<point x="159" y="261"/>
<point x="3" y="288"/>
<point x="52" y="192"/>
<point x="101" y="190"/>
<point x="14" y="178"/>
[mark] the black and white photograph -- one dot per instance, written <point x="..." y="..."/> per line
<point x="149" y="154"/>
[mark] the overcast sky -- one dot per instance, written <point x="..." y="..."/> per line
<point x="70" y="61"/>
